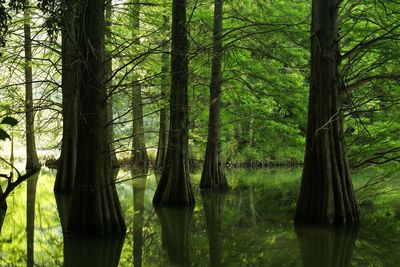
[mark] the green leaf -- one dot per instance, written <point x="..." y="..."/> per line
<point x="4" y="135"/>
<point x="10" y="121"/>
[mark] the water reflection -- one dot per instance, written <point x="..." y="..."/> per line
<point x="326" y="246"/>
<point x="175" y="231"/>
<point x="92" y="251"/>
<point x="83" y="251"/>
<point x="213" y="204"/>
<point x="30" y="217"/>
<point x="139" y="185"/>
<point x="249" y="226"/>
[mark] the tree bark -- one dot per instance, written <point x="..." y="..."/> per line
<point x="326" y="194"/>
<point x="65" y="177"/>
<point x="32" y="161"/>
<point x="110" y="128"/>
<point x="164" y="113"/>
<point x="139" y="152"/>
<point x="213" y="175"/>
<point x="174" y="187"/>
<point x="95" y="207"/>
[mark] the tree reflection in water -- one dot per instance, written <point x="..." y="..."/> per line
<point x="213" y="204"/>
<point x="175" y="230"/>
<point x="139" y="185"/>
<point x="326" y="246"/>
<point x="30" y="218"/>
<point x="83" y="251"/>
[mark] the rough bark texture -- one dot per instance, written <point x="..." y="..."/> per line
<point x="139" y="186"/>
<point x="30" y="218"/>
<point x="139" y="152"/>
<point x="326" y="246"/>
<point x="95" y="207"/>
<point x="174" y="187"/>
<point x="326" y="194"/>
<point x="213" y="175"/>
<point x="213" y="204"/>
<point x="110" y="128"/>
<point x="175" y="231"/>
<point x="32" y="161"/>
<point x="65" y="177"/>
<point x="164" y="112"/>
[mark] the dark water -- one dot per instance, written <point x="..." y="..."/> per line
<point x="249" y="226"/>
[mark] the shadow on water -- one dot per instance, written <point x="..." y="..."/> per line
<point x="175" y="231"/>
<point x="83" y="251"/>
<point x="327" y="246"/>
<point x="138" y="185"/>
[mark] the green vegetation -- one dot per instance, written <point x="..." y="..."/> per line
<point x="216" y="100"/>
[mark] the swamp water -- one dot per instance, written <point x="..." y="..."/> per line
<point x="249" y="226"/>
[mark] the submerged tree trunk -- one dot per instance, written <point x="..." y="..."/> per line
<point x="139" y="152"/>
<point x="95" y="207"/>
<point x="32" y="161"/>
<point x="65" y="177"/>
<point x="110" y="128"/>
<point x="326" y="194"/>
<point x="164" y="113"/>
<point x="174" y="187"/>
<point x="213" y="175"/>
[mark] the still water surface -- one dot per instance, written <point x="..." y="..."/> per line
<point x="249" y="226"/>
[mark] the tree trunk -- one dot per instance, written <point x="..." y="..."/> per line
<point x="139" y="185"/>
<point x="110" y="128"/>
<point x="65" y="177"/>
<point x="32" y="161"/>
<point x="174" y="187"/>
<point x="164" y="113"/>
<point x="326" y="194"/>
<point x="139" y="152"/>
<point x="213" y="175"/>
<point x="95" y="207"/>
<point x="30" y="218"/>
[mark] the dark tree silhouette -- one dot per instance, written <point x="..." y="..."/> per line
<point x="174" y="187"/>
<point x="326" y="194"/>
<point x="213" y="175"/>
<point x="95" y="207"/>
